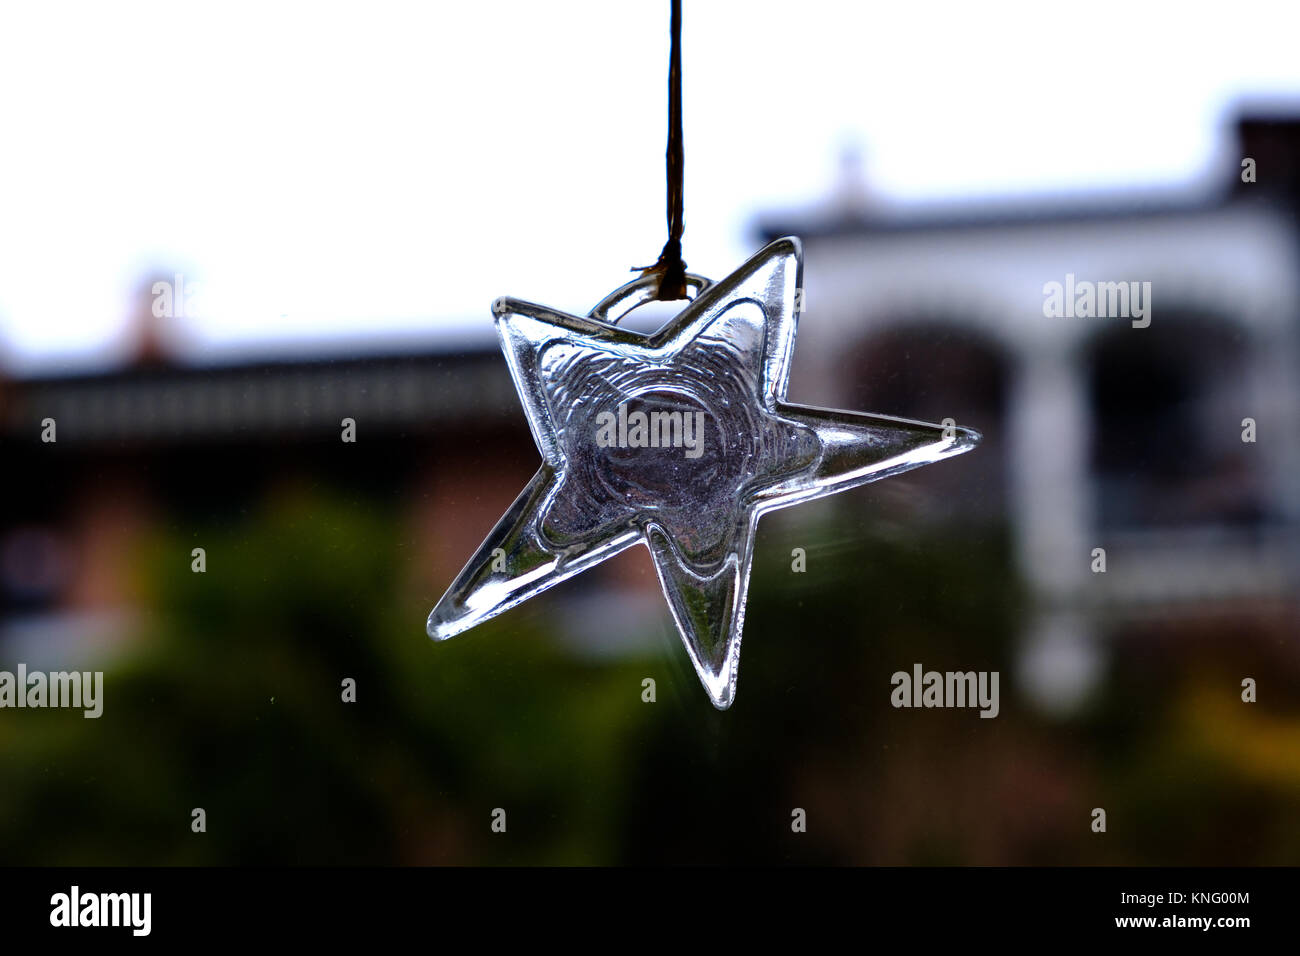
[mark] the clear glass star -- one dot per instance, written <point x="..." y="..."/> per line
<point x="680" y="440"/>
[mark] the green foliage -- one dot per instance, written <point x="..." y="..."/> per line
<point x="230" y="700"/>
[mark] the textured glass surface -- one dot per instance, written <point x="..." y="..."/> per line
<point x="679" y="440"/>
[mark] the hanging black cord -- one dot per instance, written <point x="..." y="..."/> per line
<point x="670" y="268"/>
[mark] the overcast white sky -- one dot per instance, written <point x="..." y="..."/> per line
<point x="367" y="172"/>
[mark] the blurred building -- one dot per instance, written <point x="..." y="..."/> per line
<point x="1098" y="434"/>
<point x="161" y="446"/>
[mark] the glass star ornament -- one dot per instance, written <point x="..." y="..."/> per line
<point x="679" y="440"/>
